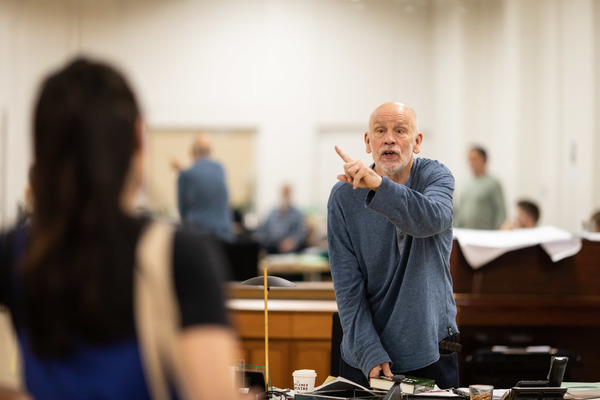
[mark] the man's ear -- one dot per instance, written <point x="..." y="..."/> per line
<point x="368" y="143"/>
<point x="418" y="141"/>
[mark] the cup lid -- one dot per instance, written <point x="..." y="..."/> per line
<point x="304" y="372"/>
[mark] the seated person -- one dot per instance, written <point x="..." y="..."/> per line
<point x="527" y="216"/>
<point x="284" y="230"/>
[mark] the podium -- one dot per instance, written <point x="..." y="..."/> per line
<point x="523" y="299"/>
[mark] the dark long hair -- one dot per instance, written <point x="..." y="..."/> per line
<point x="78" y="265"/>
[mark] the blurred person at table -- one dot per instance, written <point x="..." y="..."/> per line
<point x="202" y="193"/>
<point x="390" y="237"/>
<point x="527" y="216"/>
<point x="284" y="230"/>
<point x="481" y="201"/>
<point x="68" y="277"/>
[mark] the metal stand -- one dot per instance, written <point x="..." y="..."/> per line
<point x="395" y="392"/>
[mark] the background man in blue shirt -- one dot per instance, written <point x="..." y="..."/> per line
<point x="202" y="193"/>
<point x="390" y="237"/>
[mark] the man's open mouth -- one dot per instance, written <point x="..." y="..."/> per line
<point x="389" y="153"/>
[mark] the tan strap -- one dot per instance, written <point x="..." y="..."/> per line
<point x="156" y="309"/>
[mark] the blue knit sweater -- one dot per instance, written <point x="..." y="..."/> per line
<point x="389" y="253"/>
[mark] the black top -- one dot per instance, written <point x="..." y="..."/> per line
<point x="199" y="268"/>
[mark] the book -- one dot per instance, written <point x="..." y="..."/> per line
<point x="410" y="384"/>
<point x="582" y="390"/>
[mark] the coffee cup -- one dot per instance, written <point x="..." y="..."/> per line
<point x="304" y="380"/>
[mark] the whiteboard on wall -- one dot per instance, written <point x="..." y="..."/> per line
<point x="329" y="164"/>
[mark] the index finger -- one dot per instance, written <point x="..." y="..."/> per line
<point x="344" y="156"/>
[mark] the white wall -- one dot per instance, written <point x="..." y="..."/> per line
<point x="517" y="76"/>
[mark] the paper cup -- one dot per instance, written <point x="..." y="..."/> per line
<point x="304" y="380"/>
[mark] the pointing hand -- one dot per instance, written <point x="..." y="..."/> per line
<point x="358" y="173"/>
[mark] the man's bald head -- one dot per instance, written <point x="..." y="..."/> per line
<point x="392" y="108"/>
<point x="202" y="145"/>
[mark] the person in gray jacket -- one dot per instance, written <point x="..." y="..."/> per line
<point x="390" y="237"/>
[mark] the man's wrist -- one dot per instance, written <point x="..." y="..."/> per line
<point x="374" y="188"/>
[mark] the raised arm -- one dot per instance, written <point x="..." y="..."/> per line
<point x="419" y="213"/>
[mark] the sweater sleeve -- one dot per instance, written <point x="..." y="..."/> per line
<point x="363" y="342"/>
<point x="421" y="212"/>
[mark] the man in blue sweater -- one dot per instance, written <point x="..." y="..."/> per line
<point x="390" y="237"/>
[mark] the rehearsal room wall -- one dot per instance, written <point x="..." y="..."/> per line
<point x="516" y="76"/>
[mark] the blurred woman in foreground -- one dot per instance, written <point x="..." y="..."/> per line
<point x="68" y="278"/>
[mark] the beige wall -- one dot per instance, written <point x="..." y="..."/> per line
<point x="517" y="76"/>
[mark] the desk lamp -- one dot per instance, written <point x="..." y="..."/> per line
<point x="267" y="282"/>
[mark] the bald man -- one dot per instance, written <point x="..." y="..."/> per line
<point x="390" y="237"/>
<point x="202" y="194"/>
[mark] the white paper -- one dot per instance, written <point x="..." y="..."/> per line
<point x="482" y="246"/>
<point x="591" y="236"/>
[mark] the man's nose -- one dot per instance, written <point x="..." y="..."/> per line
<point x="389" y="137"/>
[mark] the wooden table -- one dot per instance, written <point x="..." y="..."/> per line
<point x="310" y="266"/>
<point x="299" y="336"/>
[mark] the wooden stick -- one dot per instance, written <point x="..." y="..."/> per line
<point x="267" y="333"/>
